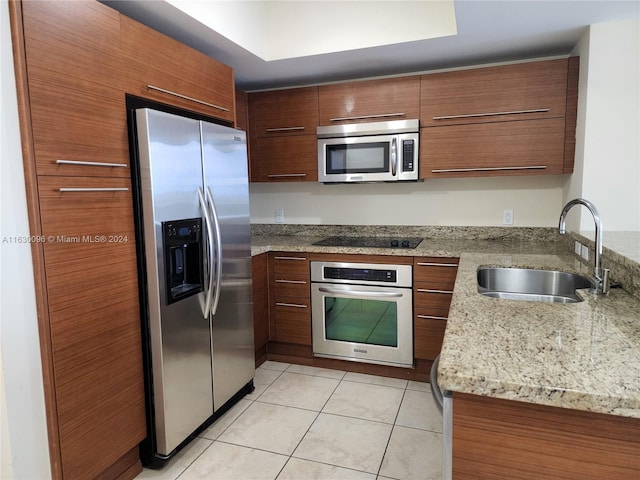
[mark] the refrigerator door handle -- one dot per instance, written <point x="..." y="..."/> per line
<point x="216" y="222"/>
<point x="209" y="246"/>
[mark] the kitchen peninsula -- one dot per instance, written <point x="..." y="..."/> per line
<point x="567" y="361"/>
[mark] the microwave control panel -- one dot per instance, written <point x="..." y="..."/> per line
<point x="408" y="149"/>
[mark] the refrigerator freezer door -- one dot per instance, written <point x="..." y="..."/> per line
<point x="226" y="179"/>
<point x="169" y="150"/>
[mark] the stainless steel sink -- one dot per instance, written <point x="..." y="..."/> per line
<point x="532" y="285"/>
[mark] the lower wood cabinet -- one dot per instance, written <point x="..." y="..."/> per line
<point x="290" y="298"/>
<point x="495" y="438"/>
<point x="94" y="317"/>
<point x="433" y="281"/>
<point x="260" y="305"/>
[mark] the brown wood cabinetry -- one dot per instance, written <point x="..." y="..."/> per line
<point x="260" y="277"/>
<point x="495" y="438"/>
<point x="283" y="143"/>
<point x="433" y="280"/>
<point x="75" y="88"/>
<point x="507" y="120"/>
<point x="290" y="298"/>
<point x="369" y="101"/>
<point x="167" y="71"/>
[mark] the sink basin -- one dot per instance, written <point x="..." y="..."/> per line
<point x="530" y="284"/>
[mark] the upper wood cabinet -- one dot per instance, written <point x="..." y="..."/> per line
<point x="369" y="101"/>
<point x="76" y="89"/>
<point x="283" y="142"/>
<point x="509" y="120"/>
<point x="167" y="71"/>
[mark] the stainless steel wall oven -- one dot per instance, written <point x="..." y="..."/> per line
<point x="362" y="312"/>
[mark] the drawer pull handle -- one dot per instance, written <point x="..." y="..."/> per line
<point x="429" y="264"/>
<point x="491" y="114"/>
<point x="431" y="317"/>
<point x="296" y="305"/>
<point x="283" y="129"/>
<point x="114" y="189"/>
<point x="289" y="258"/>
<point x="425" y="290"/>
<point x="90" y="164"/>
<point x="488" y="169"/>
<point x="362" y="117"/>
<point x="284" y="175"/>
<point x="179" y="95"/>
<point x="297" y="282"/>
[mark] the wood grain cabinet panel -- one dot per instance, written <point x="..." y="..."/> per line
<point x="290" y="298"/>
<point x="369" y="101"/>
<point x="260" y="303"/>
<point x="433" y="281"/>
<point x="283" y="143"/>
<point x="495" y="438"/>
<point x="76" y="90"/>
<point x="92" y="288"/>
<point x="178" y="75"/>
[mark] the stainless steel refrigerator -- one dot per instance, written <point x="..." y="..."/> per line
<point x="195" y="271"/>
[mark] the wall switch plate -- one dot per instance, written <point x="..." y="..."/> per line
<point x="584" y="253"/>
<point x="507" y="217"/>
<point x="279" y="215"/>
<point x="578" y="248"/>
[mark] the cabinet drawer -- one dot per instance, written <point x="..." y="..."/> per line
<point x="430" y="302"/>
<point x="285" y="263"/>
<point x="76" y="92"/>
<point x="292" y="285"/>
<point x="522" y="91"/>
<point x="435" y="272"/>
<point x="369" y="101"/>
<point x="167" y="71"/>
<point x="428" y="336"/>
<point x="282" y="159"/>
<point x="505" y="148"/>
<point x="92" y="285"/>
<point x="284" y="112"/>
<point x="293" y="321"/>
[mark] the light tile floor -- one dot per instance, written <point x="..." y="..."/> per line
<point x="305" y="423"/>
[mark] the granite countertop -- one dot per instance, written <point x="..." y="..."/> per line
<point x="582" y="356"/>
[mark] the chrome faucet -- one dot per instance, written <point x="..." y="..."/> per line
<point x="601" y="275"/>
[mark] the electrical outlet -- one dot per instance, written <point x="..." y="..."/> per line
<point x="584" y="253"/>
<point x="279" y="215"/>
<point x="578" y="248"/>
<point x="507" y="217"/>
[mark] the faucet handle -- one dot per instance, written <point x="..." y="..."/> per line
<point x="602" y="280"/>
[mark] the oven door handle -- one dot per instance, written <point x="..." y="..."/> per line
<point x="359" y="293"/>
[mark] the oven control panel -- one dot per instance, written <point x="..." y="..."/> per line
<point x="362" y="273"/>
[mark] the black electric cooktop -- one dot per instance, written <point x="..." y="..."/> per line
<point x="370" y="242"/>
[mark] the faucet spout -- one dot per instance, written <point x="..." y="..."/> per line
<point x="601" y="275"/>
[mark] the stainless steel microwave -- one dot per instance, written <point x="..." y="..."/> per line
<point x="368" y="152"/>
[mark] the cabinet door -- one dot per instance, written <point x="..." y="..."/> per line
<point x="521" y="91"/>
<point x="284" y="112"/>
<point x="532" y="147"/>
<point x="281" y="159"/>
<point x="92" y="290"/>
<point x="75" y="88"/>
<point x="167" y="71"/>
<point x="370" y="101"/>
<point x="260" y="301"/>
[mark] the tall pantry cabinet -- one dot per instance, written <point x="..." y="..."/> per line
<point x="73" y="121"/>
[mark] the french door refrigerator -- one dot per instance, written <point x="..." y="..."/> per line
<point x="194" y="249"/>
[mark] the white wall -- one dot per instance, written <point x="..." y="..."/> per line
<point x="23" y="422"/>
<point x="536" y="202"/>
<point x="607" y="166"/>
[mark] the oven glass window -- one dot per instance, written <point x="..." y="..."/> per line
<point x="358" y="158"/>
<point x="373" y="322"/>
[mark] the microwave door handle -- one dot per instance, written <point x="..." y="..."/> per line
<point x="394" y="156"/>
<point x="209" y="248"/>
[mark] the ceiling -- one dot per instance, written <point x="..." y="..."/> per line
<point x="488" y="32"/>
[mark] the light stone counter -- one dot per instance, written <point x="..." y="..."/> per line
<point x="583" y="356"/>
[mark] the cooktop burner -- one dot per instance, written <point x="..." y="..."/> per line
<point x="371" y="242"/>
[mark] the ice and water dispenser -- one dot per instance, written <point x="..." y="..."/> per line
<point x="182" y="240"/>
